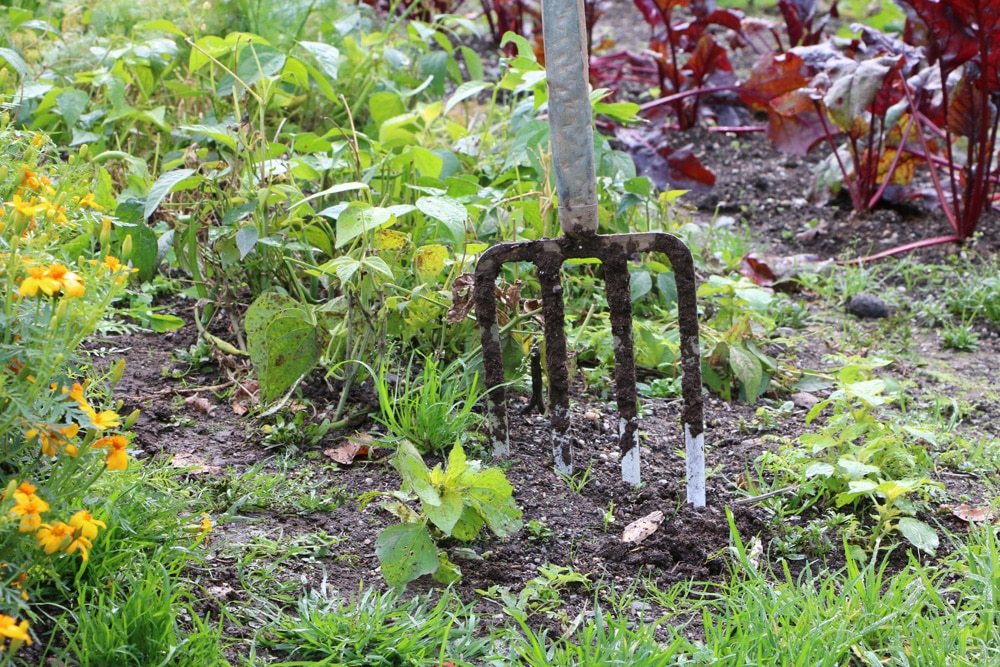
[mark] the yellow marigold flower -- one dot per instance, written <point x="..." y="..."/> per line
<point x="54" y="440"/>
<point x="37" y="140"/>
<point x="103" y="420"/>
<point x="86" y="524"/>
<point x="87" y="201"/>
<point x="14" y="631"/>
<point x="83" y="544"/>
<point x="29" y="507"/>
<point x="53" y="212"/>
<point x="39" y="279"/>
<point x="52" y="537"/>
<point x="206" y="524"/>
<point x="25" y="208"/>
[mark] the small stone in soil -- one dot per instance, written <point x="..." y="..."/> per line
<point x="867" y="306"/>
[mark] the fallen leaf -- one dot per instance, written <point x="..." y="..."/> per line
<point x="462" y="293"/>
<point x="642" y="528"/>
<point x="768" y="270"/>
<point x="245" y="395"/>
<point x="200" y="403"/>
<point x="970" y="514"/>
<point x="358" y="446"/>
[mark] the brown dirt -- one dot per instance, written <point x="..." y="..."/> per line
<point x="767" y="191"/>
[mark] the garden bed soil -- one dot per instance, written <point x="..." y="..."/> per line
<point x="768" y="192"/>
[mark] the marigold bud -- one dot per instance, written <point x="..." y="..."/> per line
<point x="117" y="371"/>
<point x="132" y="419"/>
<point x="126" y="248"/>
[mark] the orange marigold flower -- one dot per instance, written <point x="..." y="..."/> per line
<point x="53" y="537"/>
<point x="54" y="440"/>
<point x="29" y="507"/>
<point x="71" y="283"/>
<point x="117" y="457"/>
<point x="82" y="544"/>
<point x="84" y="523"/>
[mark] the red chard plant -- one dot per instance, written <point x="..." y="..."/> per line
<point x="957" y="109"/>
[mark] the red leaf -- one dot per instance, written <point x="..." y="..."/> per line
<point x="794" y="124"/>
<point x="772" y="76"/>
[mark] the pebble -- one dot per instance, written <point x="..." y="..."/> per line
<point x="867" y="306"/>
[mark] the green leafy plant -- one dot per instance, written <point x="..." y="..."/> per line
<point x="456" y="501"/>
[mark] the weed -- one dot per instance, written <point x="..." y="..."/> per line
<point x="538" y="531"/>
<point x="577" y="481"/>
<point x="959" y="336"/>
<point x="432" y="409"/>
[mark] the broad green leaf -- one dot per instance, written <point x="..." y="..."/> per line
<point x="491" y="495"/>
<point x="448" y="512"/>
<point x="855" y="469"/>
<point x="869" y="391"/>
<point x="473" y="63"/>
<point x="410" y="465"/>
<point x="162" y="25"/>
<point x="447" y="573"/>
<point x="292" y="351"/>
<point x="640" y="284"/>
<point x="818" y="469"/>
<point x="378" y="265"/>
<point x="145" y="249"/>
<point x="385" y="105"/>
<point x="14" y="59"/>
<point x="747" y="369"/>
<point x="326" y="55"/>
<point x="449" y="212"/>
<point x="278" y="326"/>
<point x="71" y="105"/>
<point x="256" y="62"/>
<point x="457" y="466"/>
<point x="405" y="552"/>
<point x="219" y="133"/>
<point x="919" y="534"/>
<point x="356" y="220"/>
<point x="163" y="323"/>
<point x="464" y="92"/>
<point x="246" y="239"/>
<point x="163" y="186"/>
<point x="468" y="525"/>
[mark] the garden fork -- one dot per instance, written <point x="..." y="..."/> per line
<point x="572" y="136"/>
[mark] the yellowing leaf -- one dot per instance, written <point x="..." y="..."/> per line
<point x="390" y="239"/>
<point x="429" y="260"/>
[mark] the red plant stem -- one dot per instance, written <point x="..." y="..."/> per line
<point x="670" y="99"/>
<point x="925" y="243"/>
<point x="945" y="205"/>
<point x="852" y="187"/>
<point x="892" y="168"/>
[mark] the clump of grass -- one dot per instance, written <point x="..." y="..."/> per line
<point x="433" y="409"/>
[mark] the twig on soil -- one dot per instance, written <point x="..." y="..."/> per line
<point x="186" y="390"/>
<point x="750" y="501"/>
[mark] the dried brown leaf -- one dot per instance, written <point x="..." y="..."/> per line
<point x="200" y="403"/>
<point x="642" y="528"/>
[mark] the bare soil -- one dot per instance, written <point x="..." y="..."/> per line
<point x="757" y="186"/>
